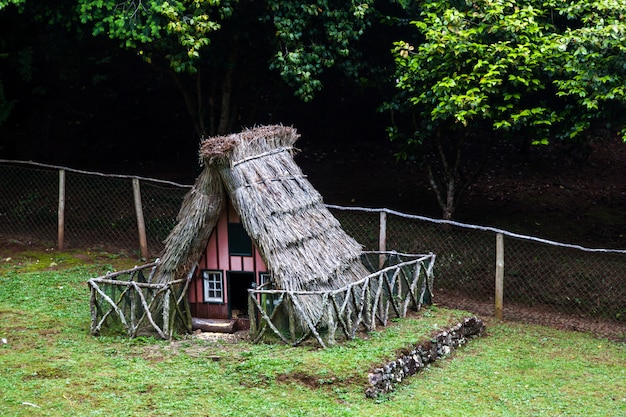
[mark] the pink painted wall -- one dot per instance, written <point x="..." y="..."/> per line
<point x="216" y="257"/>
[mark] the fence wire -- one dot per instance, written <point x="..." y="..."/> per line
<point x="99" y="208"/>
<point x="100" y="213"/>
<point x="546" y="277"/>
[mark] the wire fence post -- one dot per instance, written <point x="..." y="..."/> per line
<point x="141" y="225"/>
<point x="382" y="237"/>
<point x="499" y="275"/>
<point x="61" y="211"/>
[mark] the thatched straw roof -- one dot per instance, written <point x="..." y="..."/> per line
<point x="196" y="219"/>
<point x="300" y="241"/>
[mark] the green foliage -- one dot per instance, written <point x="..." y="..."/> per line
<point x="6" y="3"/>
<point x="177" y="30"/>
<point x="479" y="71"/>
<point x="316" y="36"/>
<point x="588" y="65"/>
<point x="308" y="38"/>
<point x="509" y="66"/>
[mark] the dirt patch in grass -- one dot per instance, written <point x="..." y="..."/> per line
<point x="198" y="345"/>
<point x="313" y="381"/>
<point x="541" y="315"/>
<point x="47" y="373"/>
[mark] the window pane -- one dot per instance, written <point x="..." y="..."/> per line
<point x="239" y="242"/>
<point x="213" y="287"/>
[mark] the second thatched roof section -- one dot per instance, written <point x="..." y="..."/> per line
<point x="302" y="243"/>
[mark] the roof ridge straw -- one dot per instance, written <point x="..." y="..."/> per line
<point x="261" y="155"/>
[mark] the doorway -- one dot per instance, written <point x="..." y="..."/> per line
<point x="238" y="285"/>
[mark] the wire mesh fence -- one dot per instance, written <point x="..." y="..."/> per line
<point x="101" y="212"/>
<point x="549" y="277"/>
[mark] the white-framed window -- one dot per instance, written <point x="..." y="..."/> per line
<point x="213" y="283"/>
<point x="264" y="280"/>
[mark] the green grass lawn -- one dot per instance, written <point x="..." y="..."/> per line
<point x="51" y="366"/>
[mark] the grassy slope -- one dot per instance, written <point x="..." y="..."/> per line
<point x="51" y="366"/>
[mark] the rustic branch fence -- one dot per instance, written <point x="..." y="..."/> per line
<point x="131" y="300"/>
<point x="405" y="282"/>
<point x="97" y="211"/>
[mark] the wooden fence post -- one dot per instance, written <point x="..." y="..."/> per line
<point x="382" y="238"/>
<point x="61" y="211"/>
<point x="499" y="275"/>
<point x="141" y="226"/>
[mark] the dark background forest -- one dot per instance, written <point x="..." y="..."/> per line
<point x="85" y="103"/>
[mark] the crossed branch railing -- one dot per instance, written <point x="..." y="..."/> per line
<point x="400" y="282"/>
<point x="138" y="304"/>
<point x="404" y="281"/>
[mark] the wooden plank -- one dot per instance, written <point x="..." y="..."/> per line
<point x="119" y="283"/>
<point x="93" y="309"/>
<point x="499" y="276"/>
<point x="114" y="308"/>
<point x="412" y="287"/>
<point x="391" y="298"/>
<point x="61" y="211"/>
<point x="166" y="312"/>
<point x="141" y="225"/>
<point x="152" y="265"/>
<point x="359" y="307"/>
<point x="367" y="319"/>
<point x="382" y="239"/>
<point x="347" y="308"/>
<point x="252" y="313"/>
<point x="236" y="264"/>
<point x="258" y="260"/>
<point x="182" y="298"/>
<point x="248" y="264"/>
<point x="131" y="299"/>
<point x="292" y="323"/>
<point x="324" y="306"/>
<point x="403" y="296"/>
<point x="223" y="257"/>
<point x="212" y="251"/>
<point x="332" y="327"/>
<point x="376" y="300"/>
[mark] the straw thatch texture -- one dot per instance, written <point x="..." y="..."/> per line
<point x="301" y="242"/>
<point x="197" y="217"/>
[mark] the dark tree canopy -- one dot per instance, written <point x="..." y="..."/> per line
<point x="467" y="74"/>
<point x="480" y="71"/>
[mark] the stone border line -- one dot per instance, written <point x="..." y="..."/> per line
<point x="384" y="379"/>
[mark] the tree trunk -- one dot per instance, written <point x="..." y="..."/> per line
<point x="452" y="185"/>
<point x="445" y="188"/>
<point x="218" y="113"/>
<point x="227" y="89"/>
<point x="192" y="105"/>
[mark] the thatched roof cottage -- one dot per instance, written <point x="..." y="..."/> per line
<point x="255" y="247"/>
<point x="253" y="218"/>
